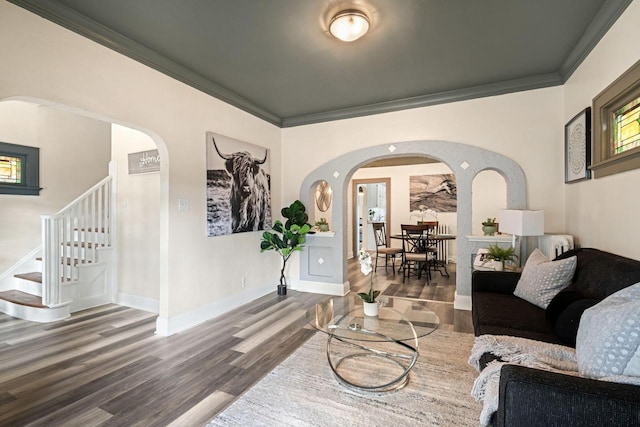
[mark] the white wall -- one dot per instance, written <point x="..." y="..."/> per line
<point x="74" y="155"/>
<point x="603" y="212"/>
<point x="199" y="276"/>
<point x="138" y="206"/>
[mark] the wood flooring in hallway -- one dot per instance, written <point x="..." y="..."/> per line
<point x="106" y="367"/>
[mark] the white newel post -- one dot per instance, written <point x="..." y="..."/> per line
<point x="50" y="260"/>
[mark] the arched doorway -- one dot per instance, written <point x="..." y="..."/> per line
<point x="70" y="166"/>
<point x="323" y="264"/>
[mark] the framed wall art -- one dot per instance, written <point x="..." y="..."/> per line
<point x="238" y="186"/>
<point x="577" y="147"/>
<point x="438" y="192"/>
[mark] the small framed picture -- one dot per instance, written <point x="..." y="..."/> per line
<point x="577" y="147"/>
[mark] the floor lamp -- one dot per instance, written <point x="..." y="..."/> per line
<point x="521" y="223"/>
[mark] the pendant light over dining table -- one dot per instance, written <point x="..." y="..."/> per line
<point x="349" y="25"/>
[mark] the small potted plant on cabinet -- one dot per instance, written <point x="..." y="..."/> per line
<point x="287" y="238"/>
<point x="500" y="255"/>
<point x="489" y="227"/>
<point x="322" y="225"/>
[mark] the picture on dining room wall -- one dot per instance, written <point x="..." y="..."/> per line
<point x="238" y="186"/>
<point x="438" y="192"/>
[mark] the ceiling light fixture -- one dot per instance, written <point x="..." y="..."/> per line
<point x="349" y="25"/>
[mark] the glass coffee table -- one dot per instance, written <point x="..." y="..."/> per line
<point x="373" y="354"/>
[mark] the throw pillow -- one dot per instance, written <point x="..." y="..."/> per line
<point x="542" y="278"/>
<point x="608" y="338"/>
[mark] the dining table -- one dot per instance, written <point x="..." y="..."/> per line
<point x="440" y="240"/>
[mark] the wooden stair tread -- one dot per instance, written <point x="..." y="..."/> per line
<point x="32" y="277"/>
<point x="22" y="298"/>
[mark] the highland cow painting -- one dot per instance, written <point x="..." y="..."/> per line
<point x="238" y="186"/>
<point x="437" y="192"/>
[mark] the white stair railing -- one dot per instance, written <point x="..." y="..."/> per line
<point x="73" y="236"/>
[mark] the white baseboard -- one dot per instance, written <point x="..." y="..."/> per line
<point x="169" y="326"/>
<point x="339" y="289"/>
<point x="35" y="314"/>
<point x="462" y="302"/>
<point x="140" y="303"/>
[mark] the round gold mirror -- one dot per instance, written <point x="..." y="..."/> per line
<point x="323" y="196"/>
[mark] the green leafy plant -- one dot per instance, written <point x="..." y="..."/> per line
<point x="288" y="237"/>
<point x="501" y="254"/>
<point x="489" y="221"/>
<point x="366" y="268"/>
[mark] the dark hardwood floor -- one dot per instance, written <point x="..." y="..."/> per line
<point x="106" y="367"/>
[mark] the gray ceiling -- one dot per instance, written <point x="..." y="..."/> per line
<point x="275" y="59"/>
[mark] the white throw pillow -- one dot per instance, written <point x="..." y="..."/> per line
<point x="608" y="340"/>
<point x="542" y="279"/>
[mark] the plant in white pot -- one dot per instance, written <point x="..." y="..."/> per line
<point x="500" y="255"/>
<point x="368" y="298"/>
<point x="287" y="238"/>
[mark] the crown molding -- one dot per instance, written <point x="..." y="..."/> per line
<point x="482" y="91"/>
<point x="81" y="24"/>
<point x="602" y="22"/>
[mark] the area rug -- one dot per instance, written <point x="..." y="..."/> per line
<point x="302" y="391"/>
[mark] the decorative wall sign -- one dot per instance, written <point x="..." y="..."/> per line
<point x="438" y="192"/>
<point x="577" y="150"/>
<point x="144" y="162"/>
<point x="238" y="186"/>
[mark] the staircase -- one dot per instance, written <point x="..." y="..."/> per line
<point x="76" y="261"/>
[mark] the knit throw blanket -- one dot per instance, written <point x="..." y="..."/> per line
<point x="524" y="352"/>
<point x="515" y="351"/>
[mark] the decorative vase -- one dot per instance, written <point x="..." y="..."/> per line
<point x="282" y="290"/>
<point x="498" y="265"/>
<point x="323" y="227"/>
<point x="489" y="230"/>
<point x="371" y="308"/>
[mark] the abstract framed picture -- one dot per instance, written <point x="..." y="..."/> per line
<point x="438" y="192"/>
<point x="238" y="186"/>
<point x="577" y="147"/>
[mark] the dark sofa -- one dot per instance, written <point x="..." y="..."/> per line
<point x="531" y="397"/>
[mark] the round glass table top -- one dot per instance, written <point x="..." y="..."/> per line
<point x="344" y="317"/>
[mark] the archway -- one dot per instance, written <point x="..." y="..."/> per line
<point x="134" y="297"/>
<point x="323" y="265"/>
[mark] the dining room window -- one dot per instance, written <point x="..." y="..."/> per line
<point x="19" y="169"/>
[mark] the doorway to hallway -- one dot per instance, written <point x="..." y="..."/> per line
<point x="371" y="201"/>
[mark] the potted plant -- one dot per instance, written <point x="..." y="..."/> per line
<point x="287" y="238"/>
<point x="500" y="254"/>
<point x="489" y="227"/>
<point x="368" y="298"/>
<point x="371" y="214"/>
<point x="322" y="224"/>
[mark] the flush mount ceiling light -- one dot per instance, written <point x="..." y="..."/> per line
<point x="349" y="25"/>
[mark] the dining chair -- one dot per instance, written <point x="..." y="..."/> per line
<point x="417" y="253"/>
<point x="382" y="248"/>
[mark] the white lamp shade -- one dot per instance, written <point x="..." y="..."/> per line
<point x="521" y="222"/>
